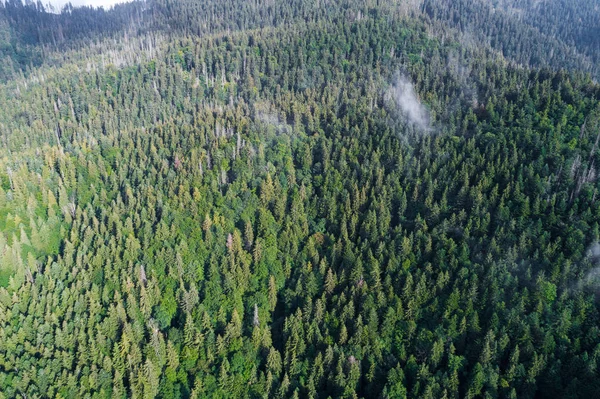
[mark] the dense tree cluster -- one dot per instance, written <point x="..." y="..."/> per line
<point x="560" y="33"/>
<point x="243" y="209"/>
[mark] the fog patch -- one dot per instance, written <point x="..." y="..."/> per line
<point x="402" y="93"/>
<point x="408" y="7"/>
<point x="265" y="113"/>
<point x="591" y="279"/>
<point x="56" y="6"/>
<point x="461" y="73"/>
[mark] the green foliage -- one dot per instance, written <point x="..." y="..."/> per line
<point x="228" y="203"/>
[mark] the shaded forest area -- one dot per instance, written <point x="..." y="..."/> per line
<point x="373" y="199"/>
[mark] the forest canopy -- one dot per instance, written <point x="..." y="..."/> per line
<point x="300" y="199"/>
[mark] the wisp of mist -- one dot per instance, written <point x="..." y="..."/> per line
<point x="403" y="94"/>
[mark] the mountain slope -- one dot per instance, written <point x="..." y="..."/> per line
<point x="302" y="201"/>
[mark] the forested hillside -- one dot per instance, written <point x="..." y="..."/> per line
<point x="305" y="199"/>
<point x="557" y="33"/>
